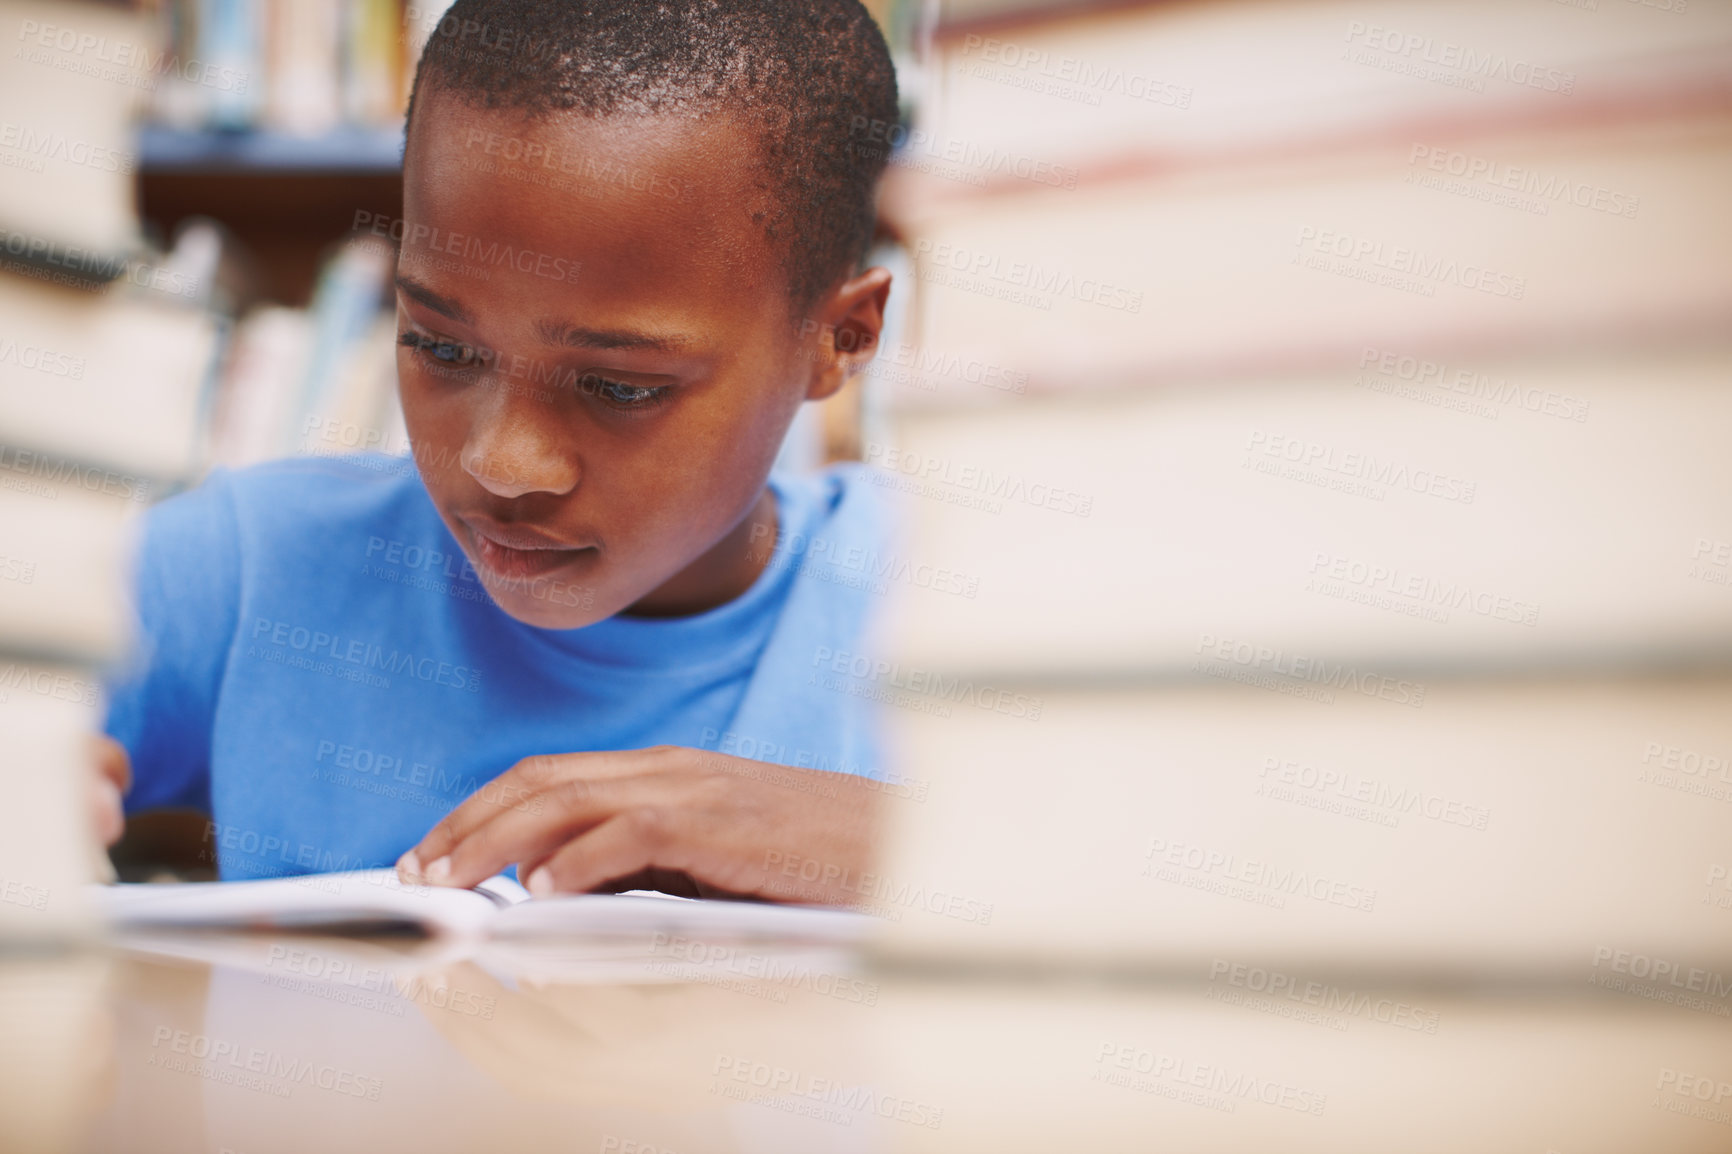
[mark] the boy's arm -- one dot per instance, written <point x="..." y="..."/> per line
<point x="575" y="821"/>
<point x="162" y="706"/>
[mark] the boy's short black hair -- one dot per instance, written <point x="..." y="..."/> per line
<point x="812" y="78"/>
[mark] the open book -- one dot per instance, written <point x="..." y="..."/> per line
<point x="375" y="901"/>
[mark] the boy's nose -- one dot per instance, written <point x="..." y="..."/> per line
<point x="514" y="449"/>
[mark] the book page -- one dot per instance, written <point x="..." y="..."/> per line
<point x="361" y="900"/>
<point x="642" y="913"/>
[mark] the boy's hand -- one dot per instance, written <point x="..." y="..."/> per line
<point x="109" y="782"/>
<point x="576" y="822"/>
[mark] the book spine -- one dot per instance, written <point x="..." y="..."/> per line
<point x="231" y="62"/>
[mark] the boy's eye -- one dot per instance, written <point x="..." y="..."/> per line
<point x="622" y="395"/>
<point x="453" y="353"/>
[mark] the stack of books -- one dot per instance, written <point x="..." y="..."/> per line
<point x="1319" y="410"/>
<point x="100" y="396"/>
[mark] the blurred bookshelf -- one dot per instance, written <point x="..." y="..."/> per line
<point x="343" y="151"/>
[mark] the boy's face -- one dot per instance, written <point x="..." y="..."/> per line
<point x="596" y="357"/>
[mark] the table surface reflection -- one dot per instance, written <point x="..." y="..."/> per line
<point x="295" y="1044"/>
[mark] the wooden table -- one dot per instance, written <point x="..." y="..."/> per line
<point x="306" y="1045"/>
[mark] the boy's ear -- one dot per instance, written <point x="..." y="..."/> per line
<point x="849" y="323"/>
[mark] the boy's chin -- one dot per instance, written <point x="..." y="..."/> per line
<point x="565" y="609"/>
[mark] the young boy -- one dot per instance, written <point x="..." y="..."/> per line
<point x="629" y="253"/>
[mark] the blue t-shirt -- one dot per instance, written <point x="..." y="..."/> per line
<point x="324" y="675"/>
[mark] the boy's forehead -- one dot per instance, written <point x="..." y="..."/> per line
<point x="647" y="208"/>
<point x="671" y="157"/>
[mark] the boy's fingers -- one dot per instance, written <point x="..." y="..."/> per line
<point x="107" y="817"/>
<point x="516" y="790"/>
<point x="623" y="845"/>
<point x="111" y="761"/>
<point x="519" y="783"/>
<point x="525" y="836"/>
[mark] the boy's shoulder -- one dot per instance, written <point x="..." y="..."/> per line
<point x="334" y="472"/>
<point x="297" y="504"/>
<point x="319" y="488"/>
<point x="844" y="494"/>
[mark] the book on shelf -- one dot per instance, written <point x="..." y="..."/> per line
<point x="302" y="67"/>
<point x="316" y="381"/>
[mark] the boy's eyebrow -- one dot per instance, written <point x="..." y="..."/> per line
<point x="551" y="331"/>
<point x="427" y="298"/>
<point x="574" y="336"/>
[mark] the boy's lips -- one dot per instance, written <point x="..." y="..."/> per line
<point x="518" y="551"/>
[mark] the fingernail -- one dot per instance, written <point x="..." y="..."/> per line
<point x="409" y="865"/>
<point x="540" y="883"/>
<point x="439" y="870"/>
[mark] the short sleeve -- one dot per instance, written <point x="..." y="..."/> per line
<point x="162" y="705"/>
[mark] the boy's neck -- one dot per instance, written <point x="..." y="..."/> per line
<point x="724" y="572"/>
